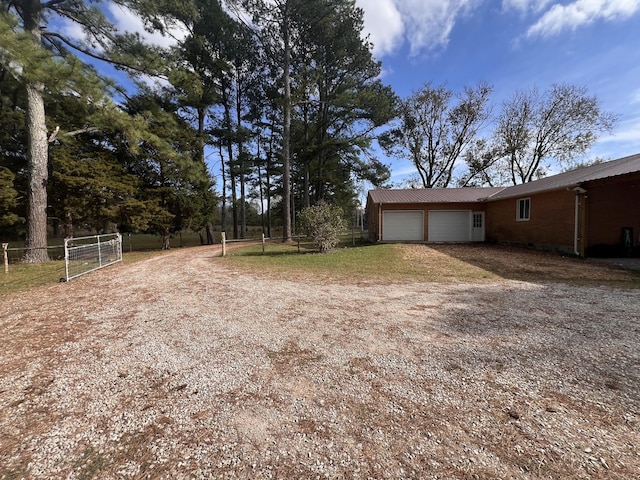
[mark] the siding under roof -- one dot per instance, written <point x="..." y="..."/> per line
<point x="432" y="195"/>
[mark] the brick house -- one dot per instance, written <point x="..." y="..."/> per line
<point x="590" y="211"/>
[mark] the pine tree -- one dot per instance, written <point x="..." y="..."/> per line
<point x="39" y="57"/>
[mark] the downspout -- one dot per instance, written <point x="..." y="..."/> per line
<point x="576" y="228"/>
<point x="576" y="232"/>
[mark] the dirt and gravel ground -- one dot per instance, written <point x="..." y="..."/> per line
<point x="184" y="366"/>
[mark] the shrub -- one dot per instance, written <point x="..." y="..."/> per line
<point x="323" y="223"/>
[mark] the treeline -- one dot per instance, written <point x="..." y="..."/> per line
<point x="280" y="98"/>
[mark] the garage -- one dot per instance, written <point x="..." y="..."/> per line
<point x="449" y="225"/>
<point x="403" y="225"/>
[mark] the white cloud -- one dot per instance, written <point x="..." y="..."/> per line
<point x="525" y="5"/>
<point x="428" y="23"/>
<point x="579" y="13"/>
<point x="128" y="21"/>
<point x="72" y="30"/>
<point x="627" y="133"/>
<point x="424" y="24"/>
<point x="635" y="96"/>
<point x="383" y="23"/>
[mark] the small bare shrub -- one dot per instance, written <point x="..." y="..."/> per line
<point x="323" y="223"/>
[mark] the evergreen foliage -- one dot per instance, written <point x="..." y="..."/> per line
<point x="8" y="196"/>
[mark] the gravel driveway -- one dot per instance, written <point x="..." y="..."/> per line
<point x="181" y="366"/>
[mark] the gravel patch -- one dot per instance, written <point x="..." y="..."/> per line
<point x="181" y="366"/>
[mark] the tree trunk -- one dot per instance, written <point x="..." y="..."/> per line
<point x="37" y="158"/>
<point x="243" y="209"/>
<point x="306" y="202"/>
<point x="166" y="238"/>
<point x="268" y="188"/>
<point x="322" y="137"/>
<point x="286" y="133"/>
<point x="201" y="153"/>
<point x="234" y="199"/>
<point x="261" y="190"/>
<point x="268" y="184"/>
<point x="232" y="169"/>
<point x="223" y="211"/>
<point x="68" y="225"/>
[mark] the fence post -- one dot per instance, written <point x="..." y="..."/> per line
<point x="298" y="243"/>
<point x="223" y="240"/>
<point x="66" y="258"/>
<point x="263" y="243"/>
<point x="99" y="252"/>
<point x="6" y="257"/>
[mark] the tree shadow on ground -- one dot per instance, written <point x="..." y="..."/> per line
<point x="525" y="264"/>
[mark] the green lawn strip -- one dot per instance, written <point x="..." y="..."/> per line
<point x="362" y="262"/>
<point x="24" y="276"/>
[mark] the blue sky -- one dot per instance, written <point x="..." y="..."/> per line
<point x="515" y="44"/>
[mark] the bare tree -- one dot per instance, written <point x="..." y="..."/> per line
<point x="435" y="131"/>
<point x="560" y="124"/>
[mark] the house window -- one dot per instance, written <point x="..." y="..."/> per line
<point x="524" y="209"/>
<point x="477" y="220"/>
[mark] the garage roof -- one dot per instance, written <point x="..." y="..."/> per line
<point x="573" y="178"/>
<point x="433" y="195"/>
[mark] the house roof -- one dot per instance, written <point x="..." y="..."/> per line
<point x="573" y="178"/>
<point x="561" y="181"/>
<point x="433" y="195"/>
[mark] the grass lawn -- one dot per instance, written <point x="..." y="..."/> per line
<point x="375" y="263"/>
<point x="428" y="263"/>
<point x="388" y="261"/>
<point x="23" y="276"/>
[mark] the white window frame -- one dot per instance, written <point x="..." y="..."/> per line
<point x="525" y="211"/>
<point x="477" y="219"/>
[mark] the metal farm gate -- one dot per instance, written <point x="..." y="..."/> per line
<point x="86" y="254"/>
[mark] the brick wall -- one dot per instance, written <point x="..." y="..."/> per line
<point x="550" y="225"/>
<point x="611" y="205"/>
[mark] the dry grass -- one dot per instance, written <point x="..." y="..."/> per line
<point x="428" y="263"/>
<point x="187" y="366"/>
<point x="513" y="263"/>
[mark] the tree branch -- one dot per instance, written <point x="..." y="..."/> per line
<point x="81" y="131"/>
<point x="51" y="3"/>
<point x="53" y="136"/>
<point x="103" y="58"/>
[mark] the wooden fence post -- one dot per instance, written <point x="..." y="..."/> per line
<point x="263" y="243"/>
<point x="6" y="257"/>
<point x="223" y="240"/>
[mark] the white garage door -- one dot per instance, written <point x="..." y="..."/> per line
<point x="449" y="226"/>
<point x="402" y="225"/>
